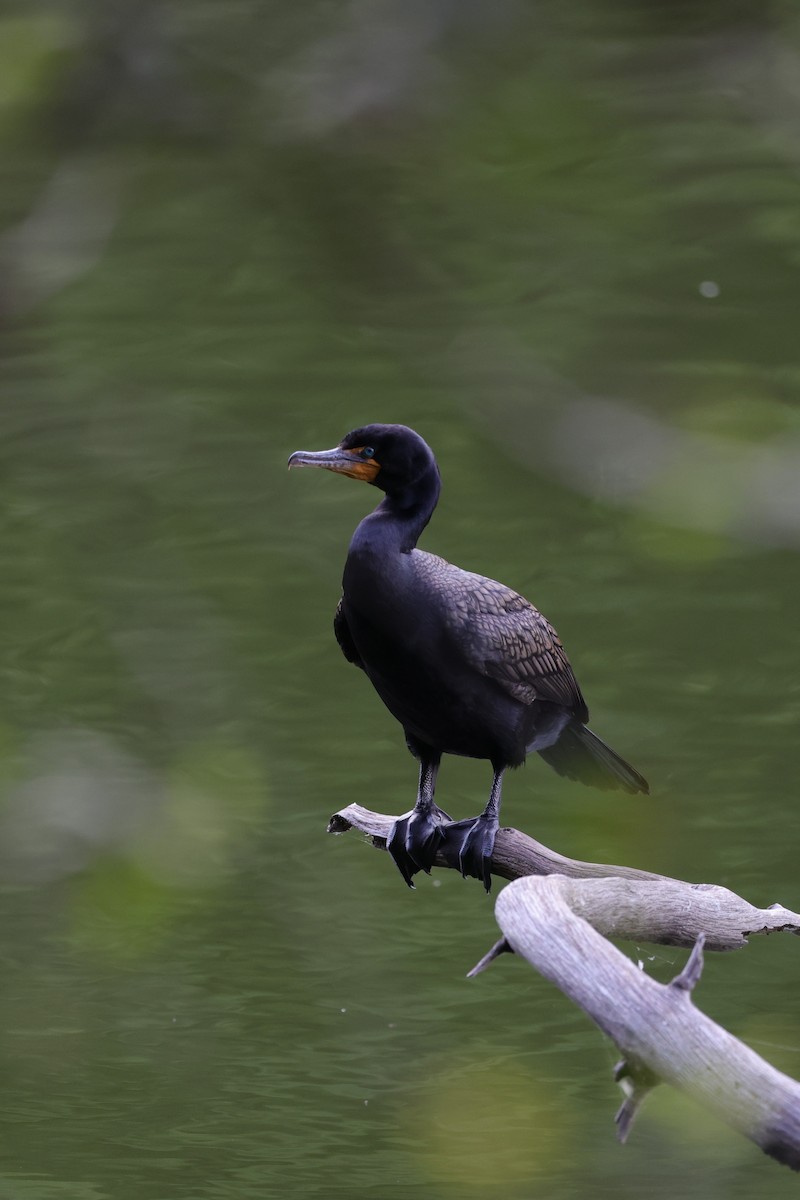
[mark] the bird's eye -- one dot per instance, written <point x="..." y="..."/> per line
<point x="367" y="452"/>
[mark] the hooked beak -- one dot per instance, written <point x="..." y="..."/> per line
<point x="344" y="462"/>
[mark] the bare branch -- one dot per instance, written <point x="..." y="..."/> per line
<point x="618" y="902"/>
<point x="661" y="1034"/>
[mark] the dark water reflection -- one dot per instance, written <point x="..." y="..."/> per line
<point x="203" y="994"/>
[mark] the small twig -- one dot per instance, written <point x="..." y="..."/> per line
<point x="501" y="947"/>
<point x="689" y="977"/>
<point x="637" y="1083"/>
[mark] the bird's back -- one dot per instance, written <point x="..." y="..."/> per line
<point x="501" y="634"/>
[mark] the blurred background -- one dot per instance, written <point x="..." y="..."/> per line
<point x="562" y="240"/>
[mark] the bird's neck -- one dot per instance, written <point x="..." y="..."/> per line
<point x="398" y="521"/>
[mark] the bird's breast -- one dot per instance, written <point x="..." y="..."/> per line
<point x="431" y="690"/>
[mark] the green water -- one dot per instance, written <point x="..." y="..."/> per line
<point x="233" y="233"/>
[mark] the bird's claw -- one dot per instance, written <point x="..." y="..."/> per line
<point x="413" y="841"/>
<point x="474" y="840"/>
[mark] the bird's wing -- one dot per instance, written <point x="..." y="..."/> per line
<point x="344" y="637"/>
<point x="504" y="636"/>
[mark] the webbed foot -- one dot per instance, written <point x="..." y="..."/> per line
<point x="414" y="839"/>
<point x="474" y="841"/>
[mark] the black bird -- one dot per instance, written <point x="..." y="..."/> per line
<point x="466" y="665"/>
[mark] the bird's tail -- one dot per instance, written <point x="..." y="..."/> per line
<point x="582" y="755"/>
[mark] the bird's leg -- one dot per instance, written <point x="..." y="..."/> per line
<point x="415" y="837"/>
<point x="477" y="835"/>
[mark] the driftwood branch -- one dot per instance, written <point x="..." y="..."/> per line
<point x="661" y="1034"/>
<point x="618" y="902"/>
<point x="558" y="913"/>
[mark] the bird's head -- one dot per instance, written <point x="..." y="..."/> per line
<point x="392" y="457"/>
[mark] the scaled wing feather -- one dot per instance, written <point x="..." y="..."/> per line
<point x="503" y="635"/>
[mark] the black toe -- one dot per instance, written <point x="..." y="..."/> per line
<point x="474" y="841"/>
<point x="413" y="842"/>
<point x="396" y="845"/>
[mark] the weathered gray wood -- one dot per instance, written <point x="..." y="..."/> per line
<point x="660" y="1032"/>
<point x="515" y="853"/>
<point x="618" y="902"/>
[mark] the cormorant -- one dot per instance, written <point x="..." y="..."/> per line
<point x="465" y="664"/>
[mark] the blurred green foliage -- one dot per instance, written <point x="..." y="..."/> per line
<point x="562" y="241"/>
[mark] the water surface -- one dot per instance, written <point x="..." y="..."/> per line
<point x="248" y="238"/>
